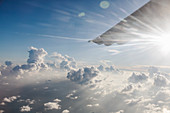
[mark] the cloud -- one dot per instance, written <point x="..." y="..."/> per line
<point x="82" y="75"/>
<point x="25" y="108"/>
<point x="133" y="92"/>
<point x="65" y="111"/>
<point x="108" y="69"/>
<point x="161" y="81"/>
<point x="36" y="57"/>
<point x="28" y="101"/>
<point x="128" y="88"/>
<point x="135" y="78"/>
<point x="65" y="62"/>
<point x="92" y="105"/>
<point x="162" y="96"/>
<point x="10" y="99"/>
<point x="53" y="105"/>
<point x="72" y="96"/>
<point x="35" y="62"/>
<point x="2" y="103"/>
<point x="58" y="56"/>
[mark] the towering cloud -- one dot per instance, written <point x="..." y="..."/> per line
<point x="36" y="55"/>
<point x="35" y="62"/>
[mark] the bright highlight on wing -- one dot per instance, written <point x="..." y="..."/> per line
<point x="150" y="25"/>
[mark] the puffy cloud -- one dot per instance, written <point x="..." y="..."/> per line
<point x="35" y="62"/>
<point x="65" y="62"/>
<point x="2" y="103"/>
<point x="128" y="88"/>
<point x="28" y="101"/>
<point x="36" y="55"/>
<point x="25" y="108"/>
<point x="161" y="80"/>
<point x="152" y="108"/>
<point x="57" y="56"/>
<point x="135" y="78"/>
<point x="10" y="99"/>
<point x="65" y="111"/>
<point x="71" y="96"/>
<point x="108" y="69"/>
<point x="132" y="102"/>
<point x="82" y="75"/>
<point x="52" y="105"/>
<point x="162" y="96"/>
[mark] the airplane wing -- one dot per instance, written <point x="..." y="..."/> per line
<point x="151" y="18"/>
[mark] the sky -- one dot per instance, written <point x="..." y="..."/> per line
<point x="63" y="26"/>
<point x="48" y="64"/>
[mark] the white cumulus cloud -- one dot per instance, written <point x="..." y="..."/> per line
<point x="25" y="108"/>
<point x="52" y="105"/>
<point x="82" y="75"/>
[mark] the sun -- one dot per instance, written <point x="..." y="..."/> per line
<point x="163" y="43"/>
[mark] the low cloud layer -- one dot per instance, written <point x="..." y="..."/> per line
<point x="101" y="86"/>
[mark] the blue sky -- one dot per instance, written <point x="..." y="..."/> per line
<point x="44" y="24"/>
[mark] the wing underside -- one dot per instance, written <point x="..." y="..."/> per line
<point x="150" y="18"/>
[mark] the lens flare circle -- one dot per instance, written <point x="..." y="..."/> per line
<point x="104" y="4"/>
